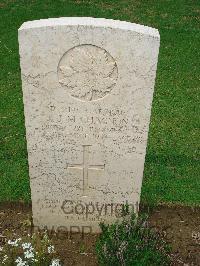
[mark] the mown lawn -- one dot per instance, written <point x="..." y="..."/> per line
<point x="172" y="167"/>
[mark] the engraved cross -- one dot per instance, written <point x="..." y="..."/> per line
<point x="85" y="167"/>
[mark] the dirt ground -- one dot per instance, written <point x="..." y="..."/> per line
<point x="179" y="226"/>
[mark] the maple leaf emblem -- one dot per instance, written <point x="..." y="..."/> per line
<point x="89" y="72"/>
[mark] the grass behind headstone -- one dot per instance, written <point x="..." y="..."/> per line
<point x="172" y="167"/>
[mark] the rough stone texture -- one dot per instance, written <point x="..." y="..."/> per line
<point x="87" y="88"/>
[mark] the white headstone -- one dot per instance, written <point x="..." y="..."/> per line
<point x="88" y="88"/>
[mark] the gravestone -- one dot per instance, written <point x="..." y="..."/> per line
<point x="87" y="88"/>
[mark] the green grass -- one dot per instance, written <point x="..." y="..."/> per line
<point x="171" y="168"/>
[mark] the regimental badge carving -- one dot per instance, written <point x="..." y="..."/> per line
<point x="88" y="72"/>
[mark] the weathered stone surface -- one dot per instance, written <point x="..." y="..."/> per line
<point x="87" y="88"/>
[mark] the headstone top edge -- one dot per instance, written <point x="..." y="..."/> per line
<point x="90" y="21"/>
